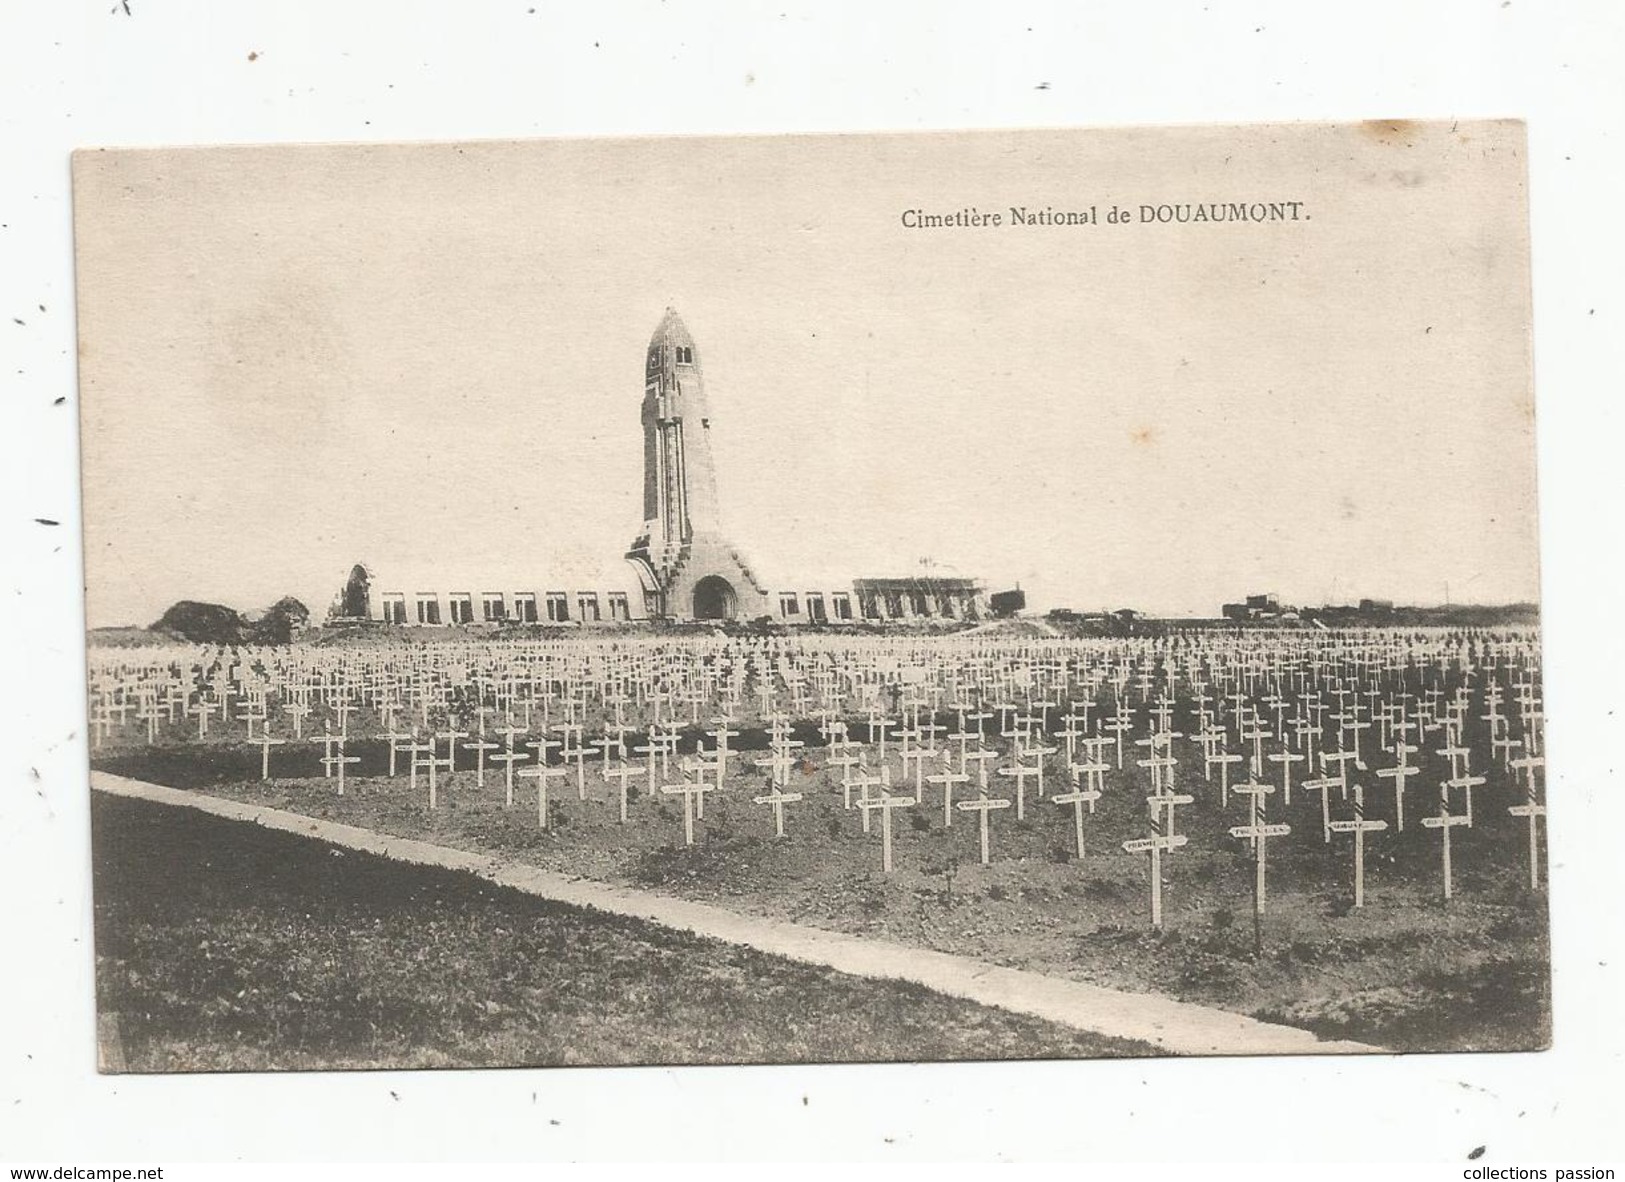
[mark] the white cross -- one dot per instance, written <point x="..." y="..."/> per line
<point x="1077" y="798"/>
<point x="688" y="791"/>
<point x="623" y="772"/>
<point x="982" y="804"/>
<point x="1444" y="823"/>
<point x="542" y="773"/>
<point x="1359" y="826"/>
<point x="885" y="802"/>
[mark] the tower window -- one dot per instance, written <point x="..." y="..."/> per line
<point x="685" y="355"/>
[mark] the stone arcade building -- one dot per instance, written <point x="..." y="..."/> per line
<point x="680" y="566"/>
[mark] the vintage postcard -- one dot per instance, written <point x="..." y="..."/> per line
<point x="788" y="599"/>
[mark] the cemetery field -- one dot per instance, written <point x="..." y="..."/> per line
<point x="1405" y="971"/>
<point x="1339" y="831"/>
<point x="225" y="947"/>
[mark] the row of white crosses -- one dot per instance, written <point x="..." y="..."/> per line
<point x="1241" y="692"/>
<point x="666" y="677"/>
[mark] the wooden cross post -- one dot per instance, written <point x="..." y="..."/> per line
<point x="1077" y="798"/>
<point x="1528" y="765"/>
<point x="1259" y="833"/>
<point x="507" y="757"/>
<point x="917" y="755"/>
<point x="1286" y="759"/>
<point x="667" y="740"/>
<point x="578" y="752"/>
<point x="651" y="749"/>
<point x="299" y="710"/>
<point x="1399" y="773"/>
<point x="431" y="750"/>
<point x="863" y="783"/>
<point x="1038" y="753"/>
<point x="1534" y="810"/>
<point x="697" y="765"/>
<point x="981" y="757"/>
<point x="948" y="778"/>
<point x="479" y="747"/>
<point x="1162" y="771"/>
<point x="982" y="804"/>
<point x="1166" y="800"/>
<point x="202" y="709"/>
<point x="1341" y="759"/>
<point x="778" y="799"/>
<point x="1090" y="777"/>
<point x="886" y="802"/>
<point x="339" y="761"/>
<point x="845" y="762"/>
<point x="1119" y="724"/>
<point x="606" y="744"/>
<point x="1324" y="786"/>
<point x="1257" y="734"/>
<point x="395" y="739"/>
<point x="266" y="742"/>
<point x="329" y="741"/>
<point x="416" y="751"/>
<point x="250" y="717"/>
<point x="778" y="762"/>
<point x="1444" y="823"/>
<point x="721" y="734"/>
<point x="1020" y="772"/>
<point x="1359" y="826"/>
<point x="622" y="772"/>
<point x="1466" y="783"/>
<point x="1224" y="759"/>
<point x="542" y="773"/>
<point x="1155" y="845"/>
<point x="688" y="790"/>
<point x="151" y="714"/>
<point x="1255" y="792"/>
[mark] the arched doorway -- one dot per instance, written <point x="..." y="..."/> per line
<point x="714" y="599"/>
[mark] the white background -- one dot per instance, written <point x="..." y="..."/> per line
<point x="75" y="75"/>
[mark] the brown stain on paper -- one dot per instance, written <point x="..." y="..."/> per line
<point x="1390" y="131"/>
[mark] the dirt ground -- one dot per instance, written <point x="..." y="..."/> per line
<point x="1406" y="971"/>
<point x="227" y="947"/>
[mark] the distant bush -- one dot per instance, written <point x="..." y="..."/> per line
<point x="203" y="623"/>
<point x="215" y="623"/>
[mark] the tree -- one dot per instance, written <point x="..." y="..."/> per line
<point x="203" y="623"/>
<point x="282" y="621"/>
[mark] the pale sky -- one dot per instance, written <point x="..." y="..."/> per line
<point x="426" y="357"/>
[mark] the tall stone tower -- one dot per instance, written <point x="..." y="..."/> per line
<point x="689" y="570"/>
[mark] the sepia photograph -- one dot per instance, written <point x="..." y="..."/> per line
<point x="1052" y="594"/>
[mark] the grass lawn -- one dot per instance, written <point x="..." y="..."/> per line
<point x="1407" y="971"/>
<point x="224" y="947"/>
